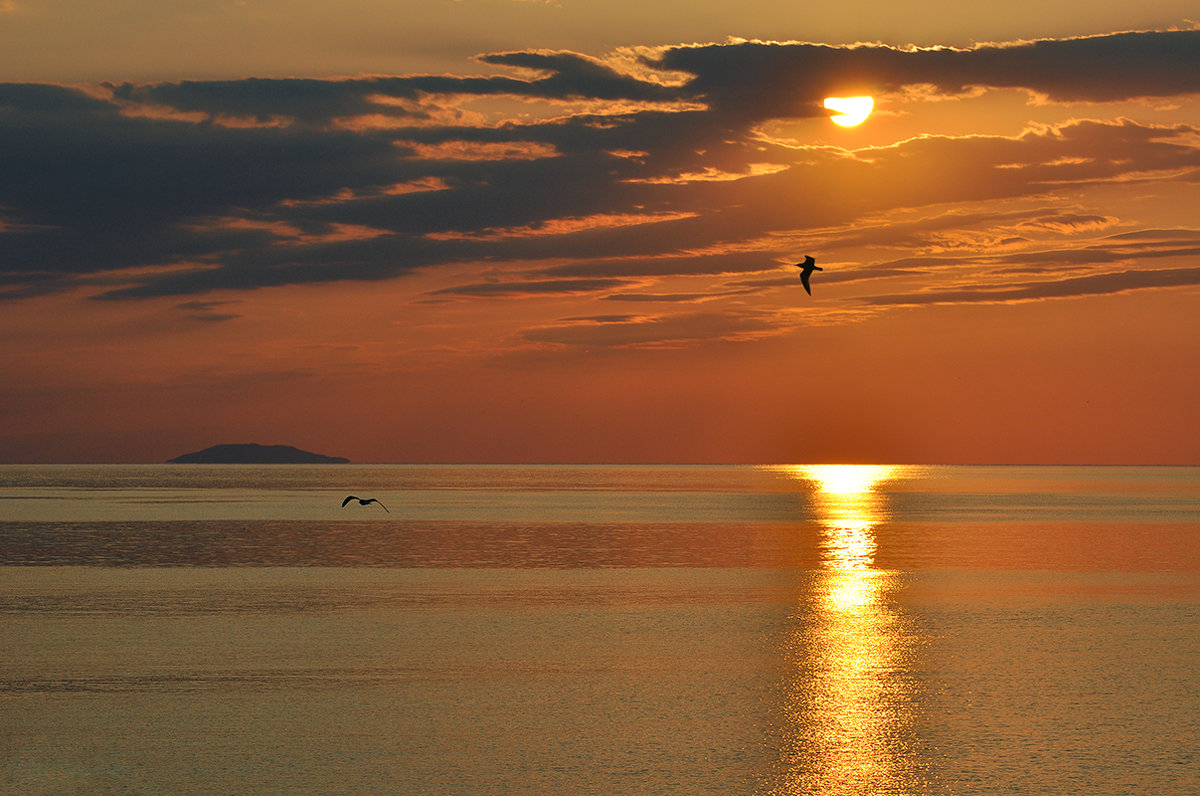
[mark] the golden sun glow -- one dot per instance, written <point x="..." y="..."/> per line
<point x="849" y="111"/>
<point x="847" y="479"/>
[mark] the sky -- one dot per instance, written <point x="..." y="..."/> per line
<point x="503" y="231"/>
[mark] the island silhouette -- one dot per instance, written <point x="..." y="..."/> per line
<point x="252" y="453"/>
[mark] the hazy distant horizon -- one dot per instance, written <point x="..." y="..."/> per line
<point x="628" y="463"/>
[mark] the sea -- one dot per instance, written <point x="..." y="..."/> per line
<point x="807" y="629"/>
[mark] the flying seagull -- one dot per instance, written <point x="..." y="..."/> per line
<point x="806" y="268"/>
<point x="364" y="501"/>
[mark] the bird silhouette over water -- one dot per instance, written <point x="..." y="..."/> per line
<point x="806" y="268"/>
<point x="364" y="502"/>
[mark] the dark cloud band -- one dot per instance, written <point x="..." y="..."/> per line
<point x="191" y="187"/>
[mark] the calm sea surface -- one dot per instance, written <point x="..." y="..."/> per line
<point x="608" y="630"/>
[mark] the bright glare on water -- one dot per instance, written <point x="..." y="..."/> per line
<point x="774" y="630"/>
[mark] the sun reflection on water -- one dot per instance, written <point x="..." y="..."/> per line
<point x="847" y="697"/>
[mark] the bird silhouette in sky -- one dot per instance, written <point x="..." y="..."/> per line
<point x="806" y="269"/>
<point x="364" y="501"/>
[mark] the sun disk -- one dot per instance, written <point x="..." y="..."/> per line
<point x="850" y="111"/>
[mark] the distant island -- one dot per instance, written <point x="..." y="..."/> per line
<point x="255" y="454"/>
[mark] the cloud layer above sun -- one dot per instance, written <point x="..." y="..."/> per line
<point x="592" y="173"/>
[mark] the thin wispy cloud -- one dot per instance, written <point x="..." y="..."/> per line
<point x="1071" y="287"/>
<point x="656" y="331"/>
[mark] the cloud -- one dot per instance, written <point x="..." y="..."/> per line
<point x="772" y="80"/>
<point x="184" y="188"/>
<point x="1071" y="287"/>
<point x="206" y="311"/>
<point x="707" y="264"/>
<point x="655" y="331"/>
<point x="952" y="229"/>
<point x="679" y="298"/>
<point x="557" y="76"/>
<point x="530" y="288"/>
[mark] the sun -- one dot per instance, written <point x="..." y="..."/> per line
<point x="850" y="111"/>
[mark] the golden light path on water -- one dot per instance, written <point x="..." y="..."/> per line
<point x="848" y="705"/>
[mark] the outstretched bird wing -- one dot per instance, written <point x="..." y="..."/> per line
<point x="348" y="499"/>
<point x="376" y="500"/>
<point x="806" y="268"/>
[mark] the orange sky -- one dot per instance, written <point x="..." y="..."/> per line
<point x="578" y="246"/>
